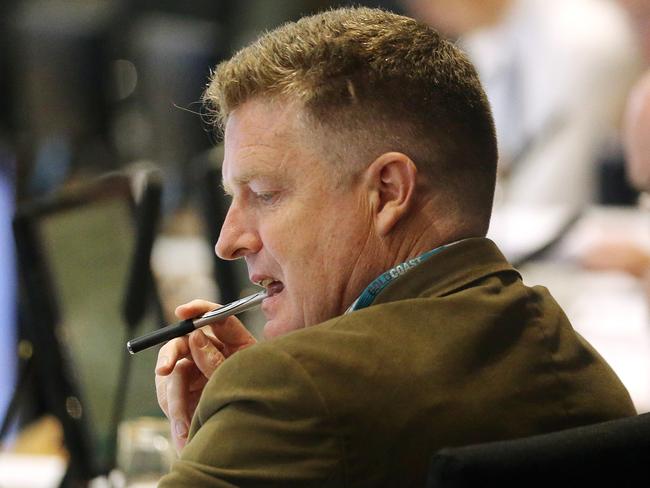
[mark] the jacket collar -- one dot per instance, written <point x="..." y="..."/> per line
<point x="451" y="269"/>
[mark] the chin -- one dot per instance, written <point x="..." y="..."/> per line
<point x="278" y="327"/>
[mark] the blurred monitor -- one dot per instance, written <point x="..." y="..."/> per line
<point x="8" y="319"/>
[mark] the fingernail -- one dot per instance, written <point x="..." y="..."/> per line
<point x="181" y="429"/>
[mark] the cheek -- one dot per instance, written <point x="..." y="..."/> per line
<point x="298" y="241"/>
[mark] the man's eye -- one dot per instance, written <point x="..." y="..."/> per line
<point x="266" y="197"/>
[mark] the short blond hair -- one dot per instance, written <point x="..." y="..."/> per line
<point x="375" y="81"/>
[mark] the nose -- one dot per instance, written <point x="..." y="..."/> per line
<point x="238" y="237"/>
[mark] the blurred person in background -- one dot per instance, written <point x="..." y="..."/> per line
<point x="636" y="134"/>
<point x="618" y="254"/>
<point x="360" y="155"/>
<point x="556" y="73"/>
<point x="639" y="14"/>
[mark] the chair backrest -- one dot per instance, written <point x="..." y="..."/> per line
<point x="83" y="259"/>
<point x="611" y="453"/>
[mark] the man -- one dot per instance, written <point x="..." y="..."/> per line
<point x="620" y="253"/>
<point x="360" y="156"/>
<point x="638" y="12"/>
<point x="636" y="135"/>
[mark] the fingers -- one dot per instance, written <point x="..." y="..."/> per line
<point x="183" y="368"/>
<point x="185" y="364"/>
<point x="178" y="396"/>
<point x="161" y="393"/>
<point x="181" y="402"/>
<point x="233" y="334"/>
<point x="180" y="429"/>
<point x="176" y="349"/>
<point x="194" y="308"/>
<point x="230" y="331"/>
<point x="170" y="353"/>
<point x="205" y="353"/>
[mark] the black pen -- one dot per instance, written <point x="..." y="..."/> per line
<point x="188" y="325"/>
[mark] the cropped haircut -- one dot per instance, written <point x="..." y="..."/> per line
<point x="369" y="82"/>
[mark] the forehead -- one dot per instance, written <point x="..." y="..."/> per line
<point x="262" y="139"/>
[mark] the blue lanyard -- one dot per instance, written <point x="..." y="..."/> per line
<point x="373" y="289"/>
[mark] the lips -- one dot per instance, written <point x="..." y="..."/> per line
<point x="273" y="287"/>
<point x="274" y="306"/>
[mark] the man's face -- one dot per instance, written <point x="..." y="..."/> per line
<point x="304" y="235"/>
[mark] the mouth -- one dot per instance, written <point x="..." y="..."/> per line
<point x="273" y="287"/>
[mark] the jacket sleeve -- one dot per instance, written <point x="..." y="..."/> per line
<point x="260" y="422"/>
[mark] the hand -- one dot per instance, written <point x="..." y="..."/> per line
<point x="185" y="364"/>
<point x="621" y="256"/>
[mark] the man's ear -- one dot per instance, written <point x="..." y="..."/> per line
<point x="391" y="180"/>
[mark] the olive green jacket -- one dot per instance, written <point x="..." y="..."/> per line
<point x="456" y="351"/>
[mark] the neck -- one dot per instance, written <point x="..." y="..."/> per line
<point x="432" y="224"/>
<point x="422" y="230"/>
<point x="375" y="287"/>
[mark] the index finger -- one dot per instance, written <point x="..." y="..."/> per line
<point x="176" y="349"/>
<point x="194" y="308"/>
<point x="230" y="330"/>
<point x="179" y="348"/>
<point x="170" y="353"/>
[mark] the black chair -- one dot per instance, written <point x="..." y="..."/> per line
<point x="86" y="286"/>
<point x="612" y="453"/>
<point x="230" y="276"/>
